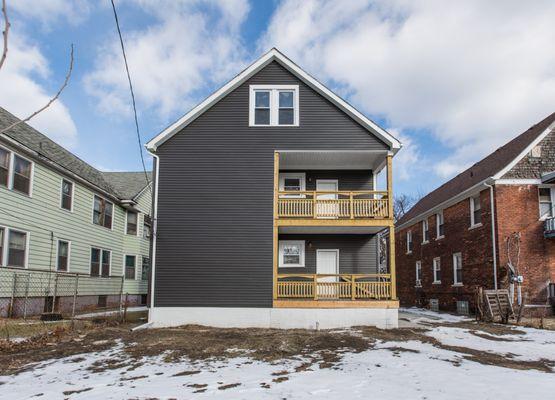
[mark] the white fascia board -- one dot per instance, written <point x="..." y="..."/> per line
<point x="273" y="54"/>
<point x="518" y="181"/>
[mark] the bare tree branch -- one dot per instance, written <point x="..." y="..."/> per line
<point x="52" y="100"/>
<point x="5" y="33"/>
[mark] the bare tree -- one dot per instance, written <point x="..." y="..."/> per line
<point x="402" y="204"/>
<point x="5" y="33"/>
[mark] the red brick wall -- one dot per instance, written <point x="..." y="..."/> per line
<point x="518" y="211"/>
<point x="474" y="245"/>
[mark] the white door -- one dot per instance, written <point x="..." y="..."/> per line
<point x="327" y="208"/>
<point x="327" y="262"/>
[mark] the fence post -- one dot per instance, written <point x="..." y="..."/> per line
<point x="26" y="296"/>
<point x="12" y="300"/>
<point x="54" y="294"/>
<point x="75" y="296"/>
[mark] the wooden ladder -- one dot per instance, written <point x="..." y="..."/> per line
<point x="499" y="304"/>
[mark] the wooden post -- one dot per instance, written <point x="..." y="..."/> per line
<point x="351" y="205"/>
<point x="392" y="261"/>
<point x="315" y="286"/>
<point x="275" y="227"/>
<point x="389" y="186"/>
<point x="314" y="204"/>
<point x="353" y="287"/>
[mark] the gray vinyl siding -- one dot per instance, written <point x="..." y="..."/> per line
<point x="215" y="207"/>
<point x="357" y="253"/>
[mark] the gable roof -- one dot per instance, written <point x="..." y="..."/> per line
<point x="128" y="184"/>
<point x="492" y="166"/>
<point x="47" y="150"/>
<point x="273" y="55"/>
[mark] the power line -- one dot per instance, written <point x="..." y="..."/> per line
<point x="131" y="90"/>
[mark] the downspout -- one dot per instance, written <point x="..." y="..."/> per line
<point x="154" y="232"/>
<point x="493" y="239"/>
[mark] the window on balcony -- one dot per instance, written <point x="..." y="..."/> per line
<point x="292" y="182"/>
<point x="546" y="196"/>
<point x="291" y="253"/>
<point x="274" y="105"/>
<point x="475" y="211"/>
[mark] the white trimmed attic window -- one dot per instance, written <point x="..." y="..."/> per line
<point x="536" y="151"/>
<point x="274" y="105"/>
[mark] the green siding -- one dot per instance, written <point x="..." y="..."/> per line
<point x="41" y="213"/>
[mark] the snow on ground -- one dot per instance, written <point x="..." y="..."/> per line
<point x="392" y="370"/>
<point x="418" y="315"/>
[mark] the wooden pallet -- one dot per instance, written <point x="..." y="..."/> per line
<point x="498" y="304"/>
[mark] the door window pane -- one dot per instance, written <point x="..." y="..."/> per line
<point x="17" y="243"/>
<point x="22" y="175"/>
<point x="63" y="255"/>
<point x="4" y="167"/>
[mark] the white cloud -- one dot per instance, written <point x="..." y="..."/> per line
<point x="21" y="94"/>
<point x="49" y="12"/>
<point x="189" y="47"/>
<point x="475" y="73"/>
<point x="409" y="159"/>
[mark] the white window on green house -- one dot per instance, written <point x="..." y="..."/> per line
<point x="546" y="203"/>
<point x="291" y="253"/>
<point x="475" y="211"/>
<point x="130" y="267"/>
<point x="419" y="273"/>
<point x="439" y="225"/>
<point x="4" y="167"/>
<point x="62" y="262"/>
<point x="67" y="195"/>
<point x="437" y="270"/>
<point x="100" y="262"/>
<point x="102" y="212"/>
<point x="21" y="177"/>
<point x="425" y="231"/>
<point x="409" y="242"/>
<point x="457" y="269"/>
<point x="145" y="269"/>
<point x="17" y="248"/>
<point x="131" y="226"/>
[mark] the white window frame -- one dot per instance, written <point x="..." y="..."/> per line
<point x="473" y="223"/>
<point x="136" y="266"/>
<point x="72" y="194"/>
<point x="5" y="245"/>
<point x="11" y="172"/>
<point x="68" y="254"/>
<point x="409" y="242"/>
<point x="292" y="175"/>
<point x="455" y="256"/>
<point x="552" y="193"/>
<point x="440" y="215"/>
<point x="301" y="244"/>
<point x="425" y="231"/>
<point x="125" y="226"/>
<point x="435" y="264"/>
<point x="418" y="274"/>
<point x="102" y="249"/>
<point x="113" y="213"/>
<point x="274" y="103"/>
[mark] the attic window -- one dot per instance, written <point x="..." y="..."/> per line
<point x="274" y="105"/>
<point x="536" y="152"/>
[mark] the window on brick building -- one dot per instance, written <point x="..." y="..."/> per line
<point x="419" y="273"/>
<point x="437" y="270"/>
<point x="475" y="211"/>
<point x="546" y="203"/>
<point x="409" y="242"/>
<point x="425" y="231"/>
<point x="439" y="225"/>
<point x="457" y="269"/>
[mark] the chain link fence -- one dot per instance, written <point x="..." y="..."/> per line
<point x="31" y="292"/>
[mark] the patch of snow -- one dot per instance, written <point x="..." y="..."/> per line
<point x="416" y="315"/>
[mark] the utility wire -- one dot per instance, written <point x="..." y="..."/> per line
<point x="131" y="90"/>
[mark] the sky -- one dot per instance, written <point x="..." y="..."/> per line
<point x="452" y="80"/>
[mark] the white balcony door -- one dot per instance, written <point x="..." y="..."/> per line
<point x="327" y="208"/>
<point x="327" y="262"/>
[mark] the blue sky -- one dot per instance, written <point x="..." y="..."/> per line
<point x="452" y="81"/>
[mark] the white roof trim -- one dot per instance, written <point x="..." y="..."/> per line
<point x="495" y="179"/>
<point x="270" y="56"/>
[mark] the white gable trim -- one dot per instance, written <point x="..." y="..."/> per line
<point x="270" y="56"/>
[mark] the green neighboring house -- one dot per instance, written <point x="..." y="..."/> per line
<point x="59" y="216"/>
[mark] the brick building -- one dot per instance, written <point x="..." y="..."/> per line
<point x="462" y="235"/>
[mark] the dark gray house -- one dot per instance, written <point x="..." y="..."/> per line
<point x="266" y="212"/>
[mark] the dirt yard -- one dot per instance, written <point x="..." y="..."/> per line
<point x="105" y="359"/>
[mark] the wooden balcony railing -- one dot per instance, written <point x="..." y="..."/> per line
<point x="334" y="287"/>
<point x="339" y="205"/>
